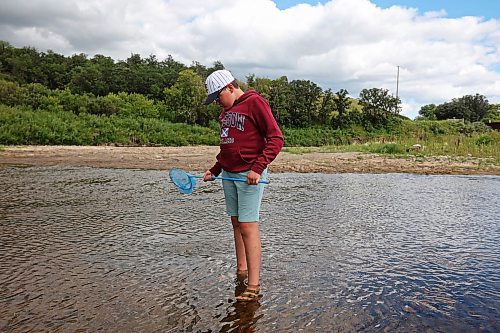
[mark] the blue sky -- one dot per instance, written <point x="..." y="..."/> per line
<point x="484" y="8"/>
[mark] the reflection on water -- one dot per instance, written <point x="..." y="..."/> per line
<point x="121" y="250"/>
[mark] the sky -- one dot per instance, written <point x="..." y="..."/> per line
<point x="443" y="49"/>
<point x="453" y="8"/>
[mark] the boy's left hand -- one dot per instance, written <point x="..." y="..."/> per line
<point x="253" y="178"/>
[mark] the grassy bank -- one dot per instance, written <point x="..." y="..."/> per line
<point x="475" y="145"/>
<point x="20" y="126"/>
<point x="24" y="126"/>
<point x="417" y="138"/>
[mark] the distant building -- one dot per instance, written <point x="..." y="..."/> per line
<point x="494" y="124"/>
<point x="459" y="120"/>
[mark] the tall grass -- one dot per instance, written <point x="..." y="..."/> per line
<point x="24" y="126"/>
<point x="435" y="138"/>
<point x="475" y="145"/>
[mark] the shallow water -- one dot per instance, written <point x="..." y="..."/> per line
<point x="86" y="249"/>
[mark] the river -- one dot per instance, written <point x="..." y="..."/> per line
<point x="121" y="250"/>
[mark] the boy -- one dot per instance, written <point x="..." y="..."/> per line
<point x="250" y="139"/>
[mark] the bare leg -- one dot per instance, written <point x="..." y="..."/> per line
<point x="251" y="238"/>
<point x="241" y="259"/>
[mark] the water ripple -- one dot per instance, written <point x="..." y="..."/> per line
<point x="86" y="249"/>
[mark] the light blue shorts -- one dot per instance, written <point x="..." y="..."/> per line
<point x="243" y="200"/>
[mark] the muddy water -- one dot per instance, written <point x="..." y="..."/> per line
<point x="102" y="250"/>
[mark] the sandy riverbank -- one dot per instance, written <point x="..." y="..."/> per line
<point x="199" y="158"/>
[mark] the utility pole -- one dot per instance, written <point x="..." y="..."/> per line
<point x="397" y="84"/>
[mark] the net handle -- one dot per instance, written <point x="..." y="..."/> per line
<point x="264" y="181"/>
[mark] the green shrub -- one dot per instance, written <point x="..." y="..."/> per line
<point x="390" y="148"/>
<point x="10" y="93"/>
<point x="50" y="103"/>
<point x="484" y="140"/>
<point x="101" y="106"/>
<point x="22" y="125"/>
<point x="73" y="103"/>
<point x="33" y="95"/>
<point x="133" y="105"/>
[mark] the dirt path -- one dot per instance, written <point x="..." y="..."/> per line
<point x="199" y="158"/>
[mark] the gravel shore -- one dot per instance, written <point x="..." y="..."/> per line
<point x="200" y="158"/>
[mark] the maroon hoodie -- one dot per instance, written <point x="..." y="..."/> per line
<point x="250" y="138"/>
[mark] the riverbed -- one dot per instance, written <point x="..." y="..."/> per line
<point x="121" y="250"/>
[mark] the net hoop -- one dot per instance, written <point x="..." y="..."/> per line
<point x="184" y="182"/>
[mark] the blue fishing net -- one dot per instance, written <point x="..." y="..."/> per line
<point x="182" y="180"/>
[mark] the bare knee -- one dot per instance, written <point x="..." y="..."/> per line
<point x="248" y="228"/>
<point x="235" y="222"/>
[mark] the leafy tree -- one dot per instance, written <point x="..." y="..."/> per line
<point x="427" y="112"/>
<point x="326" y="107"/>
<point x="74" y="103"/>
<point x="121" y="77"/>
<point x="50" y="103"/>
<point x="276" y="92"/>
<point x="493" y="113"/>
<point x="185" y="99"/>
<point x="251" y="81"/>
<point x="88" y="79"/>
<point x="34" y="94"/>
<point x="55" y="70"/>
<point x="217" y="65"/>
<point x="24" y="65"/>
<point x="279" y="98"/>
<point x="138" y="73"/>
<point x="133" y="105"/>
<point x="378" y="106"/>
<point x="170" y="70"/>
<point x="99" y="75"/>
<point x="10" y="93"/>
<point x="155" y="80"/>
<point x="476" y="107"/>
<point x="449" y="110"/>
<point x="134" y="60"/>
<point x="302" y="107"/>
<point x="77" y="60"/>
<point x="101" y="106"/>
<point x="342" y="103"/>
<point x="470" y="108"/>
<point x="106" y="81"/>
<point x="199" y="69"/>
<point x="262" y="85"/>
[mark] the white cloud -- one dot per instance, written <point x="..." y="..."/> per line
<point x="349" y="44"/>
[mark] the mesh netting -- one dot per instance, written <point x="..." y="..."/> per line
<point x="182" y="180"/>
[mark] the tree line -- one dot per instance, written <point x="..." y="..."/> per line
<point x="471" y="108"/>
<point x="169" y="90"/>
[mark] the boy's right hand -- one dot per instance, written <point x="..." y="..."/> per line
<point x="207" y="176"/>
